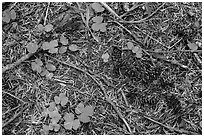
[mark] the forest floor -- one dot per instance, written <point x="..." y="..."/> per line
<point x="101" y="68"/>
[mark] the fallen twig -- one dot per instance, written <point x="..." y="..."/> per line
<point x="18" y="114"/>
<point x="109" y="9"/>
<point x="46" y="14"/>
<point x="101" y="87"/>
<point x="171" y="128"/>
<point x="14" y="96"/>
<point x="144" y="19"/>
<point x="18" y="62"/>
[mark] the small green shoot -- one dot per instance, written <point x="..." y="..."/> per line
<point x="71" y="123"/>
<point x="97" y="7"/>
<point x="61" y="99"/>
<point x="84" y="112"/>
<point x="98" y="25"/>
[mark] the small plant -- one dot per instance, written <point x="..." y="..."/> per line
<point x="61" y="99"/>
<point x="70" y="122"/>
<point x="97" y="7"/>
<point x="9" y="15"/>
<point x="50" y="46"/>
<point x="84" y="112"/>
<point x="98" y="25"/>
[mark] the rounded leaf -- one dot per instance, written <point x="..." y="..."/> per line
<point x="6" y="16"/>
<point x="105" y="57"/>
<point x="64" y="101"/>
<point x="48" y="27"/>
<point x="103" y="27"/>
<point x="97" y="7"/>
<point x="53" y="43"/>
<point x="36" y="67"/>
<point x="135" y="49"/>
<point x="84" y="118"/>
<point x="95" y="26"/>
<point x="76" y="124"/>
<point x="45" y="45"/>
<point x="40" y="27"/>
<point x="32" y="47"/>
<point x="45" y="127"/>
<point x="62" y="49"/>
<point x="57" y="99"/>
<point x="50" y="67"/>
<point x="68" y="117"/>
<point x="139" y="54"/>
<point x="73" y="47"/>
<point x="13" y="14"/>
<point x="88" y="110"/>
<point x="130" y="45"/>
<point x="97" y="19"/>
<point x="39" y="62"/>
<point x="63" y="40"/>
<point x="80" y="108"/>
<point x="192" y="46"/>
<point x="52" y="106"/>
<point x="49" y="75"/>
<point x="53" y="50"/>
<point x="68" y="125"/>
<point x="44" y="72"/>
